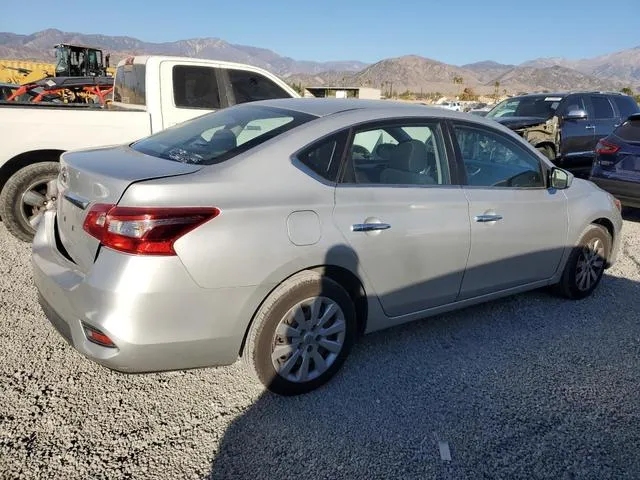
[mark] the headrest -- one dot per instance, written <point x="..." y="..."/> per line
<point x="223" y="140"/>
<point x="410" y="156"/>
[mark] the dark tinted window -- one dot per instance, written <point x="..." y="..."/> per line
<point x="601" y="107"/>
<point x="251" y="86"/>
<point x="541" y="106"/>
<point x="129" y="84"/>
<point x="629" y="131"/>
<point x="626" y="105"/>
<point x="195" y="87"/>
<point x="219" y="136"/>
<point x="323" y="158"/>
<point x="494" y="160"/>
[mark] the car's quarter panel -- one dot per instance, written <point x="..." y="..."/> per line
<point x="251" y="241"/>
<point x="100" y="176"/>
<point x="619" y="172"/>
<point x="149" y="306"/>
<point x="419" y="261"/>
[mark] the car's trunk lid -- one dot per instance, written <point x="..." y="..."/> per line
<point x="101" y="176"/>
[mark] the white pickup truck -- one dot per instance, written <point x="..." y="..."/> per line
<point x="151" y="93"/>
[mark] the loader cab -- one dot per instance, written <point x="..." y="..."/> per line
<point x="80" y="61"/>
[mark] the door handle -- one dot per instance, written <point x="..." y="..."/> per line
<point x="487" y="218"/>
<point x="590" y="127"/>
<point x="369" y="227"/>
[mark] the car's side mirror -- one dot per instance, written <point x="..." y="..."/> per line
<point x="575" y="115"/>
<point x="560" y="179"/>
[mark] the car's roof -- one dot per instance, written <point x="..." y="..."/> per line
<point x="564" y="94"/>
<point x="321" y="107"/>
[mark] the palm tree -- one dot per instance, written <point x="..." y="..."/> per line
<point x="458" y="80"/>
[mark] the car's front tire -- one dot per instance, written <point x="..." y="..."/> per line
<point x="586" y="263"/>
<point x="301" y="335"/>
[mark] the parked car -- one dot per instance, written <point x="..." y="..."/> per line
<point x="151" y="93"/>
<point x="565" y="127"/>
<point x="455" y="106"/>
<point x="281" y="230"/>
<point x="481" y="109"/>
<point x="616" y="168"/>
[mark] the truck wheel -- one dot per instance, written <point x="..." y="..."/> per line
<point x="547" y="152"/>
<point x="26" y="196"/>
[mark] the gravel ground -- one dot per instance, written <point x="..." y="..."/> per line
<point x="527" y="387"/>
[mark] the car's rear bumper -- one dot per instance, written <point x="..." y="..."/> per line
<point x="151" y="309"/>
<point x="627" y="192"/>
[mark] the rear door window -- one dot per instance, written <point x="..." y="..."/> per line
<point x="195" y="87"/>
<point x="602" y="108"/>
<point x="573" y="103"/>
<point x="398" y="154"/>
<point x="251" y="86"/>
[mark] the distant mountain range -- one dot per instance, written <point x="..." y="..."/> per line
<point x="410" y="72"/>
<point x="39" y="46"/>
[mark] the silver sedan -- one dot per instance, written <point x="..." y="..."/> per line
<point x="280" y="231"/>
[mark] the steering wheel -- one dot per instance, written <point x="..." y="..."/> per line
<point x="472" y="170"/>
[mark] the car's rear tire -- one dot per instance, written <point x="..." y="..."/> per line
<point x="586" y="263"/>
<point x="547" y="151"/>
<point x="310" y="321"/>
<point x="26" y="196"/>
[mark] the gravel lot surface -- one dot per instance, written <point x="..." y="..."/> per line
<point x="527" y="387"/>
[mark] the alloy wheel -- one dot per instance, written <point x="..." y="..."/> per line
<point x="37" y="199"/>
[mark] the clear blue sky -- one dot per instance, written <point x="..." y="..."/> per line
<point x="453" y="31"/>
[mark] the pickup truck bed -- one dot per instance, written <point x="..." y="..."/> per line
<point x="90" y="127"/>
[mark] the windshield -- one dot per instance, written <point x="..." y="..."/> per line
<point x="219" y="136"/>
<point x="539" y="106"/>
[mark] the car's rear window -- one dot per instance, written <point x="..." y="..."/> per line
<point x="219" y="136"/>
<point x="629" y="131"/>
<point x="129" y="85"/>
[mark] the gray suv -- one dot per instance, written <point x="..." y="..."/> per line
<point x="565" y="127"/>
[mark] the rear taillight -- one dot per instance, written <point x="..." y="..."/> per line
<point x="606" y="148"/>
<point x="144" y="230"/>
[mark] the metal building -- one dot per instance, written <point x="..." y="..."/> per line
<point x="345" y="92"/>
